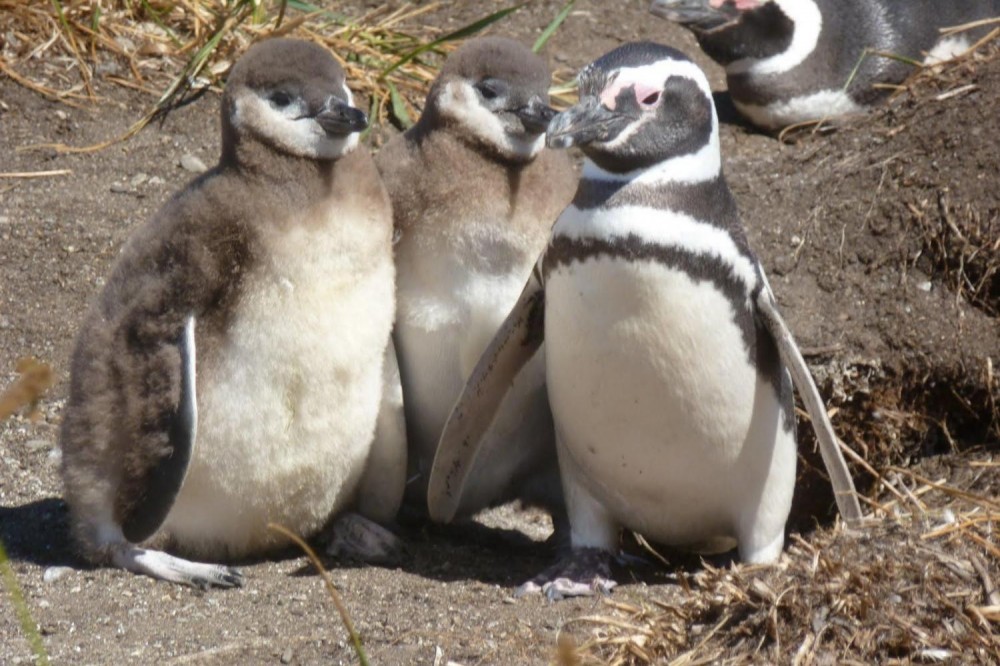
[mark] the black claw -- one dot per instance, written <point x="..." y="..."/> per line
<point x="233" y="578"/>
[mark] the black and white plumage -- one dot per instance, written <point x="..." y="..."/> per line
<point x="237" y="368"/>
<point x="791" y="61"/>
<point x="474" y="193"/>
<point x="664" y="350"/>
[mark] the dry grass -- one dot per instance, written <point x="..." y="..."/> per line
<point x="35" y="379"/>
<point x="915" y="586"/>
<point x="173" y="49"/>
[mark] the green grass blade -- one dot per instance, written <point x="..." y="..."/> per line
<point x="867" y="53"/>
<point x="552" y="27"/>
<point x="28" y="625"/>
<point x="372" y="117"/>
<point x="461" y="33"/>
<point x="281" y="14"/>
<point x="398" y="106"/>
<point x="309" y="8"/>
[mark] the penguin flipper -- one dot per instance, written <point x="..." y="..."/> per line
<point x="514" y="344"/>
<point x="155" y="466"/>
<point x="840" y="477"/>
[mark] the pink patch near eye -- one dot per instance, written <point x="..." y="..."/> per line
<point x="647" y="95"/>
<point x="609" y="94"/>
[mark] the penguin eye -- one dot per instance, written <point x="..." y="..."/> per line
<point x="280" y="99"/>
<point x="650" y="99"/>
<point x="490" y="89"/>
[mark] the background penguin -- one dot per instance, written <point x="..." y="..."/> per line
<point x="474" y="193"/>
<point x="664" y="349"/>
<point x="790" y="61"/>
<point x="231" y="373"/>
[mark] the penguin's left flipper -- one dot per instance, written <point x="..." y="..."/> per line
<point x="512" y="347"/>
<point x="155" y="467"/>
<point x="840" y="477"/>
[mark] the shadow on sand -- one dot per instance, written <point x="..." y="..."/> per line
<point x="38" y="533"/>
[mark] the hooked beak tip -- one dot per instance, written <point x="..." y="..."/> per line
<point x="536" y="116"/>
<point x="558" y="141"/>
<point x="342" y="118"/>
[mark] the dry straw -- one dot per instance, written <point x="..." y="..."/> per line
<point x="176" y="49"/>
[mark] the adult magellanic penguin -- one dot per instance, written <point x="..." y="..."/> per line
<point x="231" y="372"/>
<point x="665" y="355"/>
<point x="791" y="61"/>
<point x="474" y="194"/>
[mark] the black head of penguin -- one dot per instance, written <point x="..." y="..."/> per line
<point x="730" y="30"/>
<point x="291" y="96"/>
<point x="492" y="92"/>
<point x="640" y="104"/>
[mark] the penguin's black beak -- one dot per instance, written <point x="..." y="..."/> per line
<point x="586" y="122"/>
<point x="695" y="14"/>
<point x="338" y="117"/>
<point x="535" y="115"/>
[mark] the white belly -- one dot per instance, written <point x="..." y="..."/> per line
<point x="821" y="105"/>
<point x="449" y="312"/>
<point x="655" y="401"/>
<point x="287" y="406"/>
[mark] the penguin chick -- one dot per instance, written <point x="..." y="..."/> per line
<point x="793" y="61"/>
<point x="231" y="372"/>
<point x="474" y="193"/>
<point x="672" y="406"/>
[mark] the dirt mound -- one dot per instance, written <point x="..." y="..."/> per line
<point x="883" y="242"/>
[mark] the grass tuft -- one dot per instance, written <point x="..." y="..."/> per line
<point x="183" y="47"/>
<point x="28" y="624"/>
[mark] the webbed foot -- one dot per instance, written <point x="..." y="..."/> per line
<point x="584" y="572"/>
<point x="358" y="538"/>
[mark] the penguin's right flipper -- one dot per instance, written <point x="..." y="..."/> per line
<point x="162" y="422"/>
<point x="840" y="477"/>
<point x="512" y="347"/>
